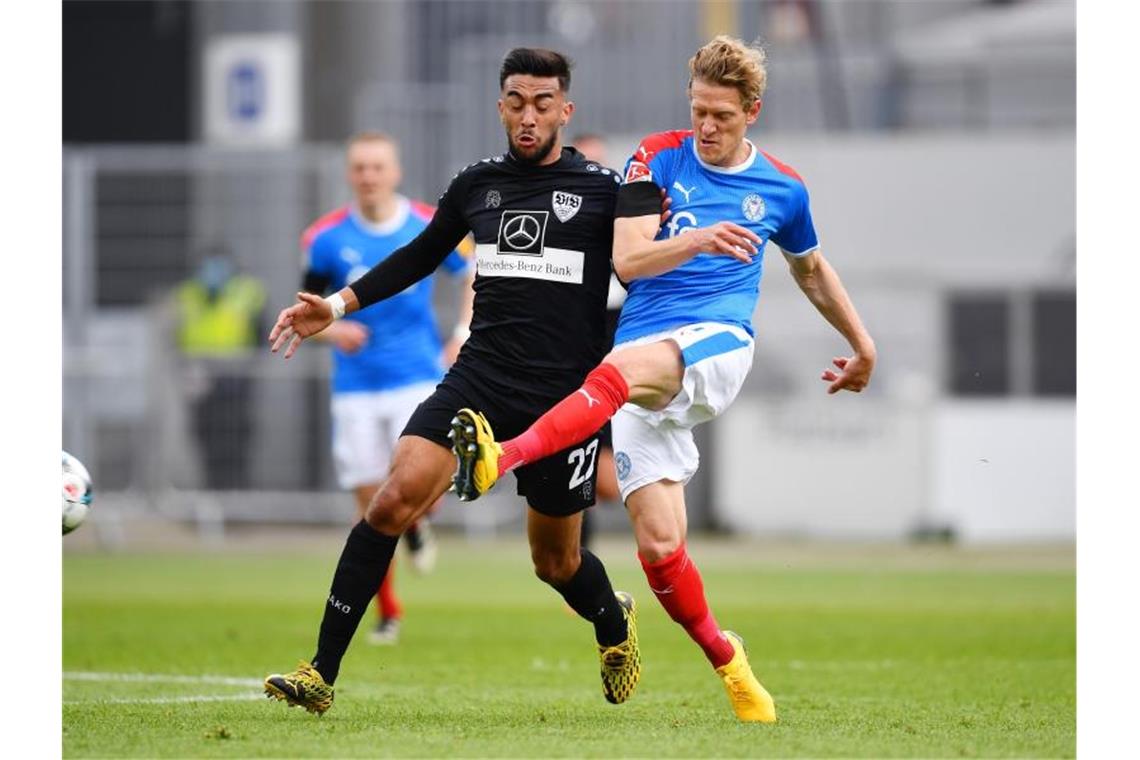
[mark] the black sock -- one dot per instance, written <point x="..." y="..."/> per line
<point x="363" y="563"/>
<point x="590" y="594"/>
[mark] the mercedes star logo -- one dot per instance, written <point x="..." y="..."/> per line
<point x="522" y="231"/>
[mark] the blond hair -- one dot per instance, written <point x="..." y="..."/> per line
<point x="729" y="62"/>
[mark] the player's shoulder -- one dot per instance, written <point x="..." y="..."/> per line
<point x="661" y="142"/>
<point x="591" y="173"/>
<point x="782" y="167"/>
<point x="482" y="167"/>
<point x="420" y="210"/>
<point x="463" y="180"/>
<point x="323" y="225"/>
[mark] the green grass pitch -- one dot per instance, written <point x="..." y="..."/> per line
<point x="891" y="652"/>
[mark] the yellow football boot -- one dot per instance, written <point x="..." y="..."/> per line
<point x="750" y="701"/>
<point x="621" y="663"/>
<point x="476" y="455"/>
<point x="304" y="687"/>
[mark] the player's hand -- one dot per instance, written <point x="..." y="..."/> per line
<point x="301" y="320"/>
<point x="854" y="373"/>
<point x="726" y="239"/>
<point x="348" y="336"/>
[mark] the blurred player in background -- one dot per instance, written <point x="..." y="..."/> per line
<point x="684" y="341"/>
<point x="388" y="359"/>
<point x="593" y="147"/>
<point x="542" y="219"/>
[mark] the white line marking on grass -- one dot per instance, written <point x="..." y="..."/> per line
<point x="165" y="700"/>
<point x="160" y="678"/>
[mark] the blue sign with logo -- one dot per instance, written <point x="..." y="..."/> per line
<point x="245" y="91"/>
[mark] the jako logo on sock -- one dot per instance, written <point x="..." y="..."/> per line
<point x="338" y="605"/>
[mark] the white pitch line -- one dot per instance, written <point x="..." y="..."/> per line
<point x="166" y="700"/>
<point x="160" y="678"/>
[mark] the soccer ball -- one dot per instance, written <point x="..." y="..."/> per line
<point x="76" y="493"/>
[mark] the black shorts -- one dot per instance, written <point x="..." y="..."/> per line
<point x="559" y="485"/>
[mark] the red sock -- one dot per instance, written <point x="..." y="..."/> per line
<point x="573" y="419"/>
<point x="386" y="602"/>
<point x="677" y="585"/>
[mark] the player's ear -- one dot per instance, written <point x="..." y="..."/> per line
<point x="753" y="112"/>
<point x="567" y="112"/>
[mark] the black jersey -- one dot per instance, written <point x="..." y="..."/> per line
<point x="543" y="243"/>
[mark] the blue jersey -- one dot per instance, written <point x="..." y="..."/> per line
<point x="761" y="194"/>
<point x="403" y="340"/>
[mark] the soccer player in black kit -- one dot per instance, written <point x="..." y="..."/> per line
<point x="542" y="219"/>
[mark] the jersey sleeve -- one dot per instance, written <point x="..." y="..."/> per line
<point x="458" y="261"/>
<point x="317" y="247"/>
<point x="796" y="236"/>
<point x="647" y="172"/>
<point x="317" y="257"/>
<point x="449" y="218"/>
<point x="412" y="262"/>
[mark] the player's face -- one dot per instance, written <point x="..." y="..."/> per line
<point x="534" y="110"/>
<point x="373" y="171"/>
<point x="719" y="122"/>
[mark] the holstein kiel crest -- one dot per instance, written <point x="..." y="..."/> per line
<point x="753" y="207"/>
<point x="566" y="205"/>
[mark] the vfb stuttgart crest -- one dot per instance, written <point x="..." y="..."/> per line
<point x="566" y="205"/>
<point x="753" y="207"/>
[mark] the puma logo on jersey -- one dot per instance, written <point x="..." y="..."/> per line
<point x="589" y="398"/>
<point x="678" y="186"/>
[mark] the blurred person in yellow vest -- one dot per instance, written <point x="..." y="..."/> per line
<point x="219" y="314"/>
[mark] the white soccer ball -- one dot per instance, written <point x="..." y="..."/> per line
<point x="76" y="493"/>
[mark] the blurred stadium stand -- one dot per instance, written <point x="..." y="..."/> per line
<point x="937" y="139"/>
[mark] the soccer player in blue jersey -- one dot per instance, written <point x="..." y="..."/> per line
<point x="386" y="360"/>
<point x="684" y="341"/>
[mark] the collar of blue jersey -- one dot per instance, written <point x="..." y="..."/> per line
<point x="742" y="166"/>
<point x="389" y="225"/>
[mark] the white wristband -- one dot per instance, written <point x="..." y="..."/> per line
<point x="462" y="332"/>
<point x="336" y="303"/>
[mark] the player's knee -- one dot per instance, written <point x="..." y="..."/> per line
<point x="555" y="568"/>
<point x="392" y="509"/>
<point x="656" y="548"/>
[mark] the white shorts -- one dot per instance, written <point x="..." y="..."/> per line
<point x="651" y="446"/>
<point x="365" y="428"/>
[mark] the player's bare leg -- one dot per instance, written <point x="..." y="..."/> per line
<point x="607" y="476"/>
<point x="419" y="475"/>
<point x="581" y="579"/>
<point x="660" y="524"/>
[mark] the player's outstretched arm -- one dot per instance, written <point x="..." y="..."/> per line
<point x="821" y="284"/>
<point x="637" y="254"/>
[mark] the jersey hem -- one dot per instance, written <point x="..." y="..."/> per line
<point x="802" y="253"/>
